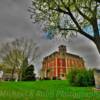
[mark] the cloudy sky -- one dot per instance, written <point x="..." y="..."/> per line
<point x="15" y="22"/>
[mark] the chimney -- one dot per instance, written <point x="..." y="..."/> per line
<point x="62" y="48"/>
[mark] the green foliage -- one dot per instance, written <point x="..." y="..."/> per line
<point x="58" y="14"/>
<point x="81" y="77"/>
<point x="29" y="74"/>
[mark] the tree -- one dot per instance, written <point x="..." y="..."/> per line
<point x="13" y="60"/>
<point x="98" y="1"/>
<point x="23" y="68"/>
<point x="69" y="17"/>
<point x="18" y="54"/>
<point x="29" y="74"/>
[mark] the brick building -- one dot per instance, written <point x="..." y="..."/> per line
<point x="59" y="63"/>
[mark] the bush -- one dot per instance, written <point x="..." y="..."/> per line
<point x="81" y="77"/>
<point x="46" y="78"/>
<point x="54" y="78"/>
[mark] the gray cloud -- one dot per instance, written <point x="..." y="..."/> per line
<point x="15" y="22"/>
<point x="14" y="19"/>
<point x="87" y="49"/>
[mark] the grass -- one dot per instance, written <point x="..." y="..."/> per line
<point x="46" y="90"/>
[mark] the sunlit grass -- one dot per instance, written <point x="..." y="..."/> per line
<point x="46" y="90"/>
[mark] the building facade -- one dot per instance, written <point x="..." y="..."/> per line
<point x="58" y="64"/>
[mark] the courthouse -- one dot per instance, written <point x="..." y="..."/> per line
<point x="58" y="64"/>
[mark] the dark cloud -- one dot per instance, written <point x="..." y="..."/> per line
<point x="14" y="19"/>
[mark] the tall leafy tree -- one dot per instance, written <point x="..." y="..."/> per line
<point x="69" y="17"/>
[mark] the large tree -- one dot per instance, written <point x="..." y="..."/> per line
<point x="18" y="54"/>
<point x="69" y="17"/>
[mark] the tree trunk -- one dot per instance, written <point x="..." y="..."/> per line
<point x="97" y="71"/>
<point x="13" y="70"/>
<point x="20" y="75"/>
<point x="97" y="43"/>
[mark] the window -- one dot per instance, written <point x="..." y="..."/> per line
<point x="61" y="62"/>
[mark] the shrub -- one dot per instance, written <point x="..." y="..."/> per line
<point x="81" y="77"/>
<point x="46" y="78"/>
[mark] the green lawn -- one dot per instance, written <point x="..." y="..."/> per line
<point x="46" y="90"/>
